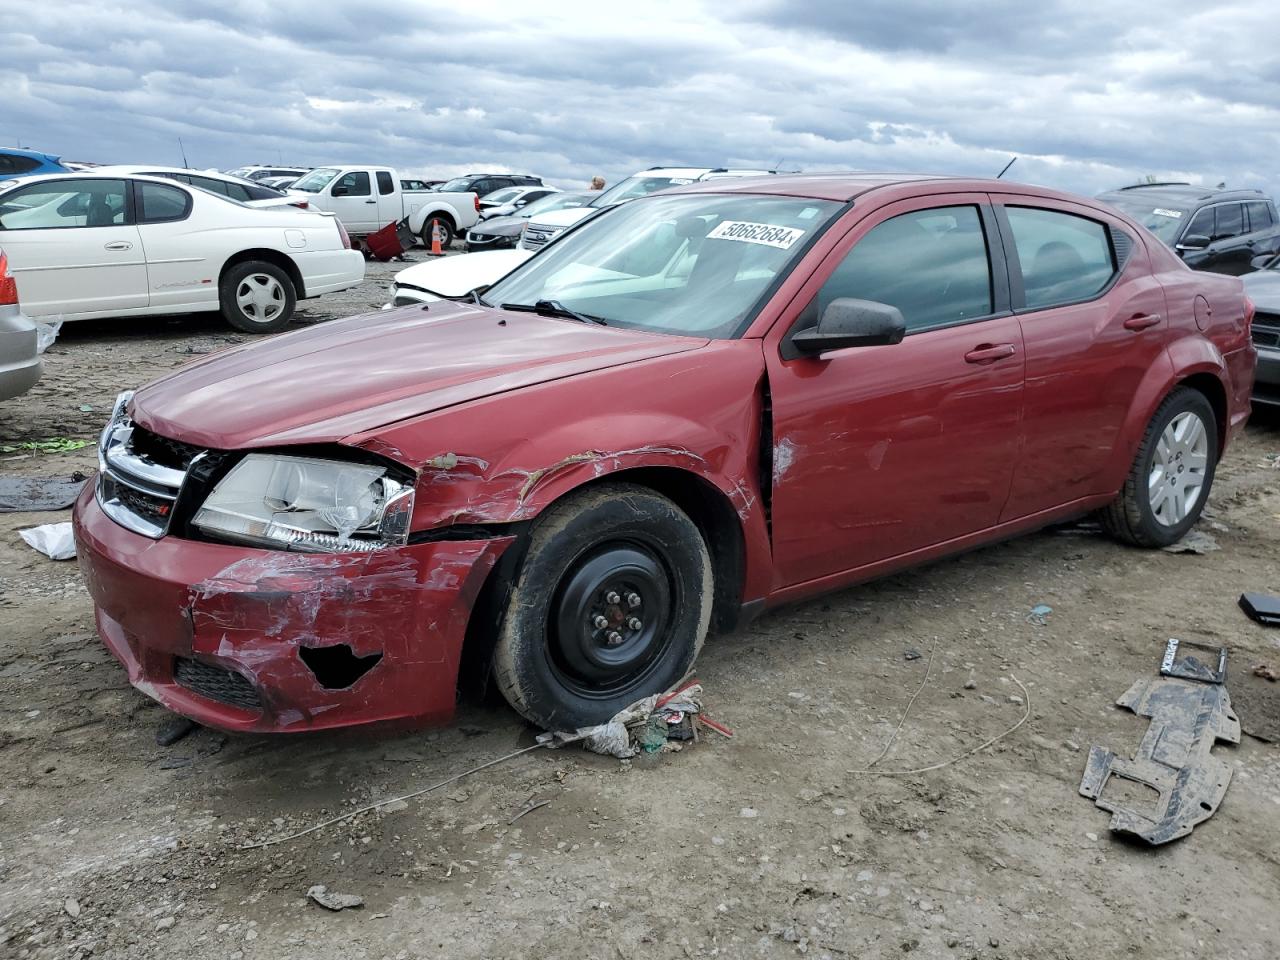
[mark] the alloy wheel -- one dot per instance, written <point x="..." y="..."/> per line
<point x="1178" y="469"/>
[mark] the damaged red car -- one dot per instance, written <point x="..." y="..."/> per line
<point x="692" y="408"/>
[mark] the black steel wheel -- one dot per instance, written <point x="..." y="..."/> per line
<point x="611" y="604"/>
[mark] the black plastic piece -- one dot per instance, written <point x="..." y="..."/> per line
<point x="1262" y="608"/>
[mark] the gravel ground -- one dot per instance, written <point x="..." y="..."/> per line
<point x="767" y="845"/>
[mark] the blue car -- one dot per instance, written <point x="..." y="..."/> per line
<point x="15" y="163"/>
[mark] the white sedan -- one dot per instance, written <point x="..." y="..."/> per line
<point x="454" y="277"/>
<point x="95" y="245"/>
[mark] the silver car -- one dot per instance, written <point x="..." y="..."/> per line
<point x="20" y="364"/>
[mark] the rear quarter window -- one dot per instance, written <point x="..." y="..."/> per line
<point x="1064" y="258"/>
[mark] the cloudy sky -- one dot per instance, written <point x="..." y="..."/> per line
<point x="1087" y="96"/>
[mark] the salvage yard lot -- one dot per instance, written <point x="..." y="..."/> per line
<point x="762" y="846"/>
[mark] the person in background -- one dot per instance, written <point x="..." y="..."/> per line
<point x="597" y="183"/>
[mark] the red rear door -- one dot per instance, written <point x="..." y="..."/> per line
<point x="1093" y="323"/>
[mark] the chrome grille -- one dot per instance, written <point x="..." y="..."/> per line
<point x="140" y="473"/>
<point x="536" y="236"/>
<point x="1266" y="330"/>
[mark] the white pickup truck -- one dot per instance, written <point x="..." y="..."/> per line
<point x="366" y="199"/>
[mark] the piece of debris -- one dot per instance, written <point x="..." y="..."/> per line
<point x="647" y="725"/>
<point x="1039" y="614"/>
<point x="173" y="730"/>
<point x="1266" y="672"/>
<point x="334" y="901"/>
<point x="1262" y="608"/>
<point x="54" y="540"/>
<point x="1173" y="781"/>
<point x="25" y="494"/>
<point x="1196" y="541"/>
<point x="51" y="445"/>
<point x="46" y="334"/>
<point x="528" y="808"/>
<point x="911" y="654"/>
<point x="165" y="923"/>
<point x="72" y="906"/>
<point x="1178" y="662"/>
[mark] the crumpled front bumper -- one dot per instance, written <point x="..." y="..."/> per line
<point x="252" y="640"/>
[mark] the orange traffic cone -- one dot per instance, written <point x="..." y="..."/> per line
<point x="437" y="238"/>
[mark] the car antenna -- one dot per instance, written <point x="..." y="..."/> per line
<point x="183" y="151"/>
<point x="1006" y="168"/>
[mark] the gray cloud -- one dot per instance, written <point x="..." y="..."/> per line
<point x="1086" y="95"/>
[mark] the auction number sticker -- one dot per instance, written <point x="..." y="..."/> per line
<point x="1162" y="212"/>
<point x="746" y="232"/>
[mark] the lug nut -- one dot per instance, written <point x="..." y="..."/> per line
<point x="614" y="638"/>
<point x="600" y="622"/>
<point x="634" y="623"/>
<point x="633" y="600"/>
<point x="612" y="597"/>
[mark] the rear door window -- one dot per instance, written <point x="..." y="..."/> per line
<point x="1064" y="258"/>
<point x="930" y="264"/>
<point x="10" y="164"/>
<point x="1228" y="221"/>
<point x="385" y="183"/>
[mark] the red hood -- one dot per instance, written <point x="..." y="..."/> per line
<point x="349" y="376"/>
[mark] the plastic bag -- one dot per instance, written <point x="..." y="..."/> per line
<point x="46" y="333"/>
<point x="54" y="540"/>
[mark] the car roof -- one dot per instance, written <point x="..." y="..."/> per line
<point x="141" y="168"/>
<point x="31" y="154"/>
<point x="846" y="186"/>
<point x="1187" y="194"/>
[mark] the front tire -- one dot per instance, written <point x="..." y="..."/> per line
<point x="611" y="604"/>
<point x="257" y="297"/>
<point x="1168" y="484"/>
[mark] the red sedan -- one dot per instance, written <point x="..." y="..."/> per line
<point x="692" y="408"/>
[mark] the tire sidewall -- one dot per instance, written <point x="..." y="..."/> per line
<point x="562" y="539"/>
<point x="231" y="311"/>
<point x="449" y="233"/>
<point x="1184" y="401"/>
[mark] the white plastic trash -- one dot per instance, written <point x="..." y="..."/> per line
<point x="54" y="540"/>
<point x="46" y="333"/>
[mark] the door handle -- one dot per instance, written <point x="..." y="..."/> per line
<point x="371" y="201"/>
<point x="119" y="245"/>
<point x="990" y="353"/>
<point x="1140" y="321"/>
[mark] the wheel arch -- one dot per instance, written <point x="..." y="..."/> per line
<point x="441" y="212"/>
<point x="273" y="257"/>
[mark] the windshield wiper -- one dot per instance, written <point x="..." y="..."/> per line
<point x="476" y="298"/>
<point x="554" y="308"/>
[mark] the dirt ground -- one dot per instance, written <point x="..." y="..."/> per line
<point x="766" y="845"/>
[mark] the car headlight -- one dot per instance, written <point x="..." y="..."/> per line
<point x="305" y="503"/>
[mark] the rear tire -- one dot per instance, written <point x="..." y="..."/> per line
<point x="446" y="229"/>
<point x="611" y="604"/>
<point x="257" y="297"/>
<point x="1168" y="484"/>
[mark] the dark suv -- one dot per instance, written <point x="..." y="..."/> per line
<point x="483" y="184"/>
<point x="1223" y="231"/>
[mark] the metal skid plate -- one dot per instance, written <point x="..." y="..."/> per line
<point x="1174" y="758"/>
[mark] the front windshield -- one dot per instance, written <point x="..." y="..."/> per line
<point x="504" y="196"/>
<point x="693" y="265"/>
<point x="638" y="186"/>
<point x="239" y="172"/>
<point x="1162" y="220"/>
<point x="553" y="201"/>
<point x="456" y="185"/>
<point x="316" y="180"/>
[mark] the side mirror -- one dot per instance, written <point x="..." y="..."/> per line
<point x="339" y="191"/>
<point x="852" y="323"/>
<point x="1194" y="241"/>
